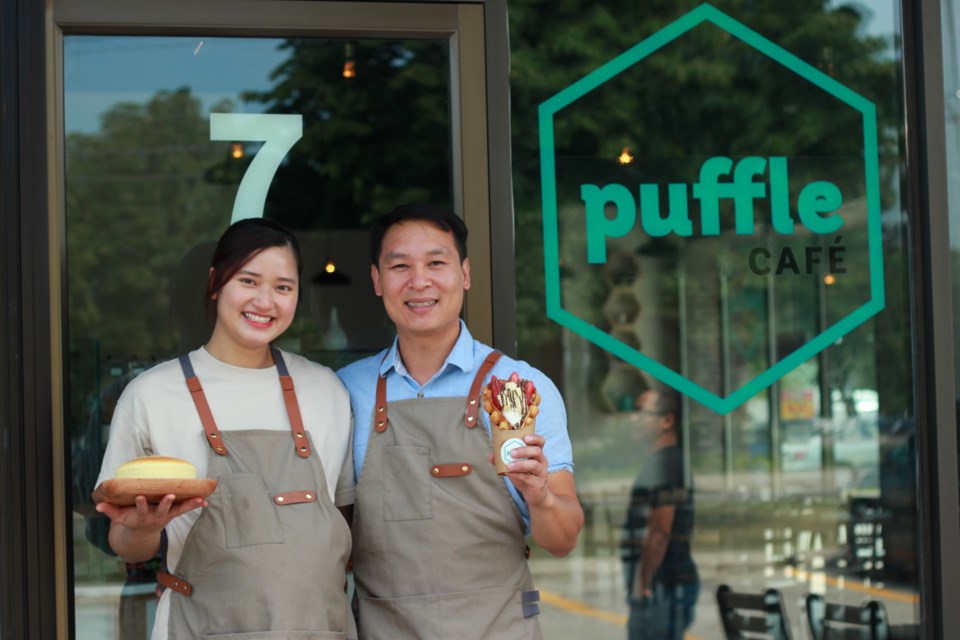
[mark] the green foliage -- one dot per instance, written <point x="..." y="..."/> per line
<point x="370" y="142"/>
<point x="704" y="94"/>
<point x="136" y="203"/>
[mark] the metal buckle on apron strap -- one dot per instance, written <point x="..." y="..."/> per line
<point x="175" y="583"/>
<point x="295" y="497"/>
<point x="454" y="470"/>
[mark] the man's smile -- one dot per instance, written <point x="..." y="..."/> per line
<point x="419" y="304"/>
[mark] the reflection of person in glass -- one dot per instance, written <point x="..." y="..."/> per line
<point x="439" y="538"/>
<point x="662" y="580"/>
<point x="268" y="551"/>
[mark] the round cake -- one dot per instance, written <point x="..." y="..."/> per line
<point x="159" y="467"/>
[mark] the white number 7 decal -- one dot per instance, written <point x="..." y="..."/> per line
<point x="279" y="132"/>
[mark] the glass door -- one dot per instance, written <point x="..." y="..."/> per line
<point x="322" y="121"/>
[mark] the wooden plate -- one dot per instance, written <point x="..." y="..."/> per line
<point x="123" y="491"/>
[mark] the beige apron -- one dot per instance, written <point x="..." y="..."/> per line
<point x="439" y="547"/>
<point x="267" y="557"/>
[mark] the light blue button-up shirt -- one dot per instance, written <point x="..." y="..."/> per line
<point x="453" y="380"/>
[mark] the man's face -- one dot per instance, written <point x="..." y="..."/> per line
<point x="421" y="279"/>
<point x="651" y="423"/>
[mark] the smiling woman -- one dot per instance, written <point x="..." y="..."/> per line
<point x="151" y="171"/>
<point x="261" y="500"/>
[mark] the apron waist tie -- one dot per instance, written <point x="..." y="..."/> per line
<point x="172" y="582"/>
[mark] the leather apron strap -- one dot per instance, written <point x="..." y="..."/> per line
<point x="300" y="441"/>
<point x="473" y="398"/>
<point x="215" y="439"/>
<point x="203" y="408"/>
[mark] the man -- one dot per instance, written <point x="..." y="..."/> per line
<point x="439" y="539"/>
<point x="662" y="580"/>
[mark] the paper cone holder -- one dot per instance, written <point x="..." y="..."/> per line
<point x="506" y="440"/>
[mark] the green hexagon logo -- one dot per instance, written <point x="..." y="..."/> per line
<point x="816" y="209"/>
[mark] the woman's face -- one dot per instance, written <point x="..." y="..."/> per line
<point x="258" y="303"/>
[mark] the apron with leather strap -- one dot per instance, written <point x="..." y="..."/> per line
<point x="439" y="548"/>
<point x="267" y="556"/>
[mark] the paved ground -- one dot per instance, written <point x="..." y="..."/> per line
<point x="584" y="598"/>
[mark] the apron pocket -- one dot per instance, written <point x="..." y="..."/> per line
<point x="406" y="480"/>
<point x="277" y="635"/>
<point x="249" y="515"/>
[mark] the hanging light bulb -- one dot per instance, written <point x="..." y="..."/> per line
<point x="349" y="65"/>
<point x="236" y="151"/>
<point x="625" y="157"/>
<point x="330" y="275"/>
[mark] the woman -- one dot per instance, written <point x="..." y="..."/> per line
<point x="267" y="552"/>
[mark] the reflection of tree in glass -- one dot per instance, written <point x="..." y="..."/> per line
<point x="370" y="142"/>
<point x="136" y="202"/>
<point x="705" y="94"/>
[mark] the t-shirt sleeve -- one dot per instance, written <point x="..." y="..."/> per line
<point x="552" y="425"/>
<point x="346" y="484"/>
<point x="125" y="441"/>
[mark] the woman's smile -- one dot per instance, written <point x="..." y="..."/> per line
<point x="256" y="319"/>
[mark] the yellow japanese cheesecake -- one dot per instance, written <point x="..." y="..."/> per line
<point x="160" y="467"/>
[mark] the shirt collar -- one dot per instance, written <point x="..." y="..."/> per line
<point x="461" y="356"/>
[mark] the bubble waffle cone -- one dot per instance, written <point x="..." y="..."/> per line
<point x="513" y="405"/>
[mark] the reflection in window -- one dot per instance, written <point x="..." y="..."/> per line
<point x="807" y="485"/>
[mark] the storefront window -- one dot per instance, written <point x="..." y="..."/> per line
<point x="159" y="145"/>
<point x="709" y="201"/>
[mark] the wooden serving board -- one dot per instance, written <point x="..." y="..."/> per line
<point x="123" y="491"/>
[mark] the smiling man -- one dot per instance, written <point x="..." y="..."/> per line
<point x="439" y="538"/>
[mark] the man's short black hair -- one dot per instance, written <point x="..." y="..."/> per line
<point x="441" y="217"/>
